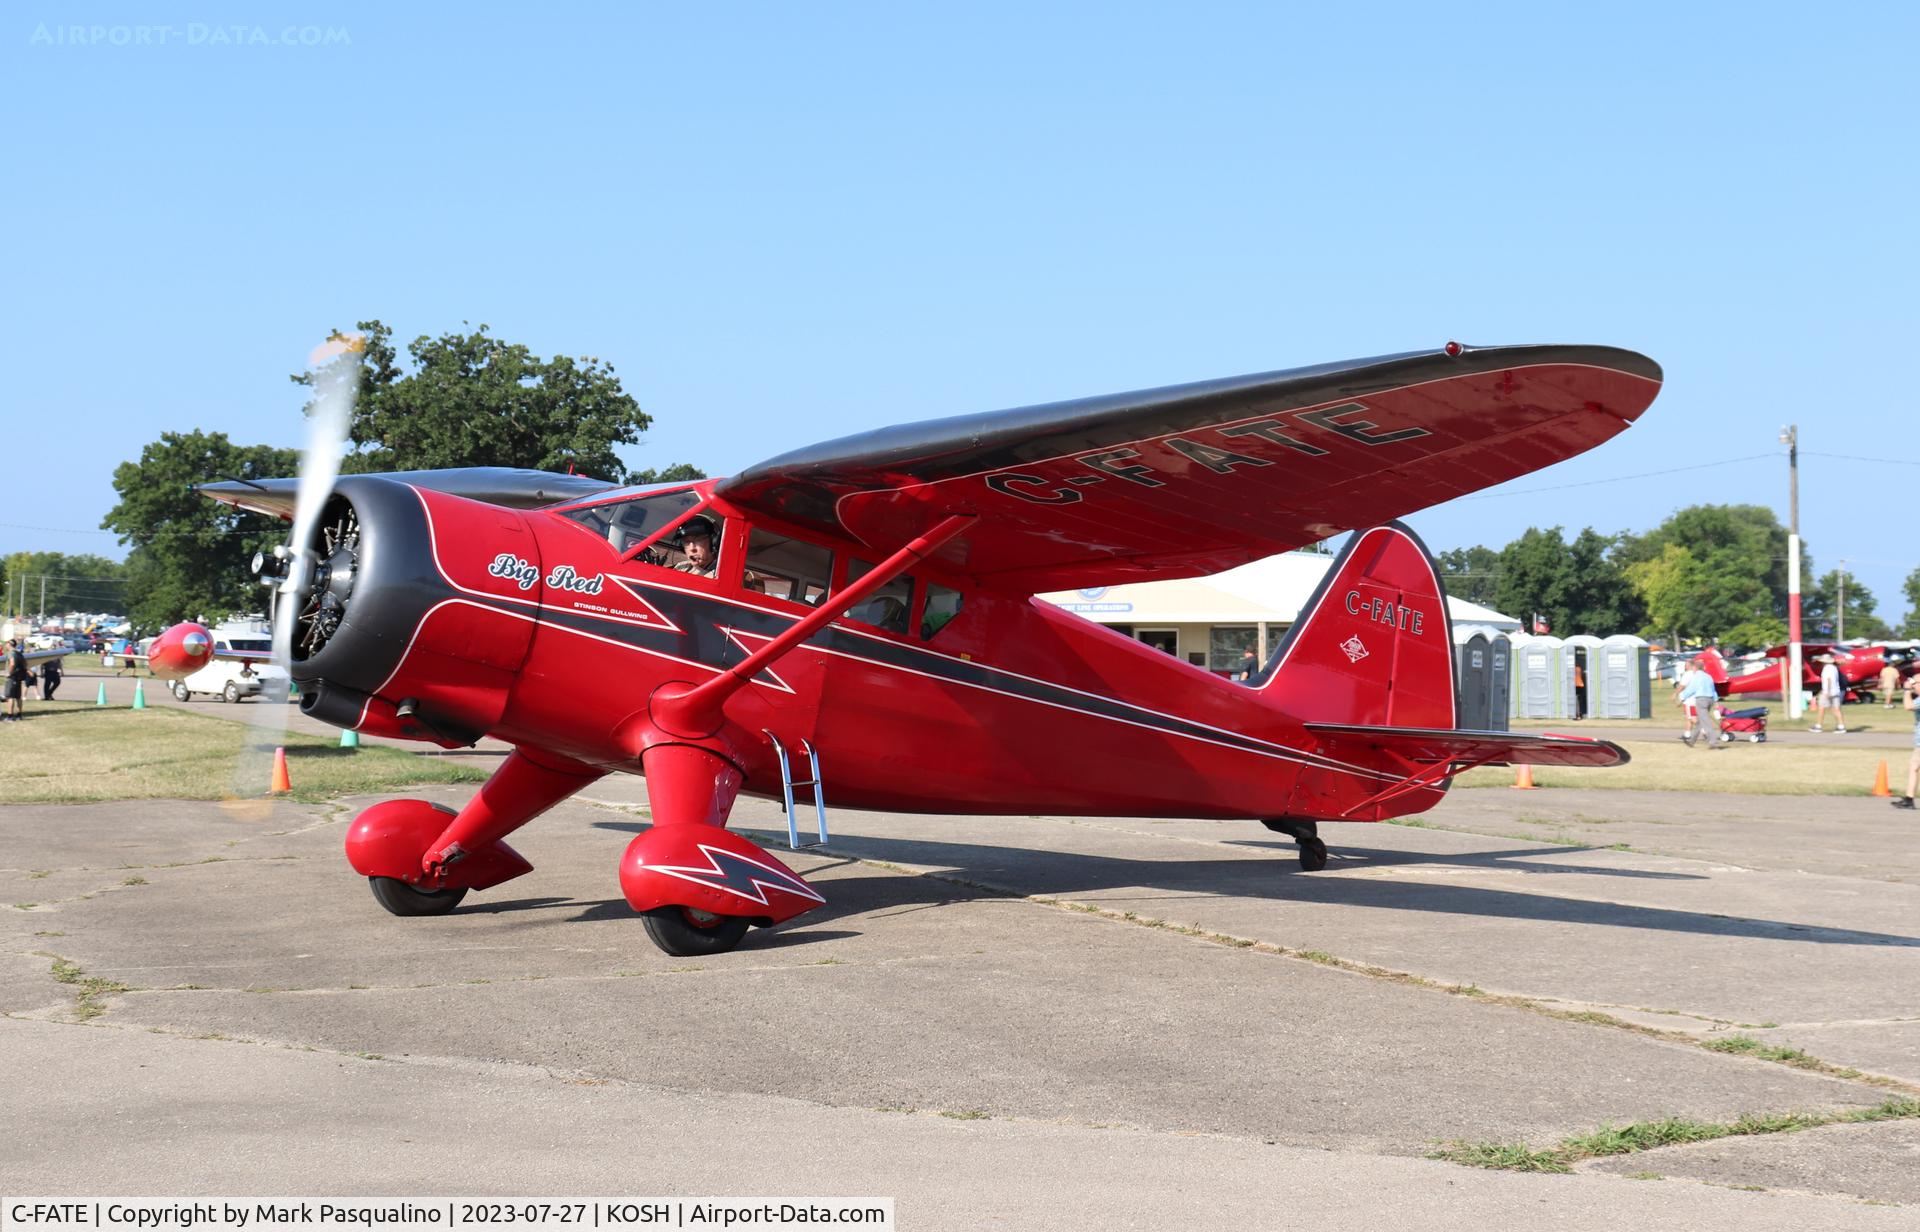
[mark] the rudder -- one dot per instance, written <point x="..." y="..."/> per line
<point x="1374" y="645"/>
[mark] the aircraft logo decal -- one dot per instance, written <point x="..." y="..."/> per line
<point x="563" y="577"/>
<point x="1355" y="649"/>
<point x="737" y="875"/>
<point x="521" y="573"/>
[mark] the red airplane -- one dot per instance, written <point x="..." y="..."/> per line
<point x="858" y="618"/>
<point x="1859" y="668"/>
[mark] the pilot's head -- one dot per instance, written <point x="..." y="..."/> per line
<point x="696" y="539"/>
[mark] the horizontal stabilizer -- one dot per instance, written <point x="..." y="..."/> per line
<point x="1433" y="746"/>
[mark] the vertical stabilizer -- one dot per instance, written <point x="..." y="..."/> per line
<point x="1374" y="645"/>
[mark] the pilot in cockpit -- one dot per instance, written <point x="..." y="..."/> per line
<point x="697" y="541"/>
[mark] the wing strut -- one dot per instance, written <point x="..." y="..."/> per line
<point x="695" y="711"/>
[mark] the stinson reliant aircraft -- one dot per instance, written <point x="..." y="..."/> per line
<point x="859" y="619"/>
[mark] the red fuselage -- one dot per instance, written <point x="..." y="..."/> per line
<point x="547" y="635"/>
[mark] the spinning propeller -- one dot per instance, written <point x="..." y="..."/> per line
<point x="321" y="556"/>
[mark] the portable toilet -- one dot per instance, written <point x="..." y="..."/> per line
<point x="1621" y="683"/>
<point x="1542" y="679"/>
<point x="1499" y="680"/>
<point x="1582" y="650"/>
<point x="1472" y="669"/>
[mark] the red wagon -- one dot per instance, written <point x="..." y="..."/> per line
<point x="1751" y="723"/>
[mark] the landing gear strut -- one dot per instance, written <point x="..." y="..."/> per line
<point x="1313" y="852"/>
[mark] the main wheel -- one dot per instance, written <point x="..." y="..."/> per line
<point x="181" y="691"/>
<point x="1313" y="854"/>
<point x="402" y="899"/>
<point x="686" y="933"/>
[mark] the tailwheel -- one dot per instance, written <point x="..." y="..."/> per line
<point x="686" y="932"/>
<point x="402" y="899"/>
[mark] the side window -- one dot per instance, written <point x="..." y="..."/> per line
<point x="886" y="608"/>
<point x="943" y="604"/>
<point x="624" y="524"/>
<point x="790" y="569"/>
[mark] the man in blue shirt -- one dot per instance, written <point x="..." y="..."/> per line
<point x="1697" y="696"/>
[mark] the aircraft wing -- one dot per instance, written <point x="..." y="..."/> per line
<point x="1436" y="746"/>
<point x="1192" y="479"/>
<point x="495" y="485"/>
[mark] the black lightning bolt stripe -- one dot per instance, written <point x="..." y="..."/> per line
<point x="702" y="639"/>
<point x="738" y="875"/>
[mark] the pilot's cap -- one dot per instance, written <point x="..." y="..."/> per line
<point x="696" y="526"/>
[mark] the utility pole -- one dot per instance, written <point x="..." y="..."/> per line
<point x="1840" y="617"/>
<point x="1790" y="687"/>
<point x="43" y="598"/>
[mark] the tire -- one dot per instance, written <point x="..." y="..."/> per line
<point x="1313" y="855"/>
<point x="402" y="899"/>
<point x="1755" y="738"/>
<point x="684" y="933"/>
<point x="231" y="693"/>
<point x="181" y="691"/>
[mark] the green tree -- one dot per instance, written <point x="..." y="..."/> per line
<point x="1577" y="587"/>
<point x="1470" y="573"/>
<point x="54" y="582"/>
<point x="1911" y="588"/>
<point x="1666" y="584"/>
<point x="1821" y="606"/>
<point x="475" y="400"/>
<point x="190" y="554"/>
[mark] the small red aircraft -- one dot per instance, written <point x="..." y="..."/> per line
<point x="1859" y="668"/>
<point x="857" y="619"/>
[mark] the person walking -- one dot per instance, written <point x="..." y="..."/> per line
<point x="16" y="682"/>
<point x="1889" y="686"/>
<point x="1913" y="762"/>
<point x="1249" y="664"/>
<point x="1832" y="693"/>
<point x="1697" y="696"/>
<point x="51" y="674"/>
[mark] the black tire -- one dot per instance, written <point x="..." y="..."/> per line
<point x="181" y="691"/>
<point x="402" y="899"/>
<point x="230" y="694"/>
<point x="685" y="933"/>
<point x="1313" y="855"/>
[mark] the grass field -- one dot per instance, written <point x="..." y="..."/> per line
<point x="74" y="752"/>
<point x="1756" y="769"/>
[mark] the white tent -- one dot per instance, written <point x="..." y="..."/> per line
<point x="1211" y="621"/>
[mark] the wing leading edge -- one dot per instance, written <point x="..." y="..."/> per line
<point x="1192" y="479"/>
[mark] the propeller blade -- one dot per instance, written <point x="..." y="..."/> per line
<point x="335" y="369"/>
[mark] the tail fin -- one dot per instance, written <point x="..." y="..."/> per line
<point x="1374" y="645"/>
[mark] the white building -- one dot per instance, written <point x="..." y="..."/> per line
<point x="1212" y="621"/>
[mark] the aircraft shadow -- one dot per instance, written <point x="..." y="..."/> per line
<point x="1017" y="872"/>
<point x="1014" y="872"/>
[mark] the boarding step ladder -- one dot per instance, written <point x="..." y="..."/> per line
<point x="788" y="783"/>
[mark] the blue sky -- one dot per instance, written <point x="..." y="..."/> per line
<point x="786" y="222"/>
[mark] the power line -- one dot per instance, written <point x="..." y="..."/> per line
<point x="1699" y="466"/>
<point x="1849" y="457"/>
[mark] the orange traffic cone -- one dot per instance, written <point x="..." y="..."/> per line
<point x="281" y="784"/>
<point x="1523" y="777"/>
<point x="1880" y="780"/>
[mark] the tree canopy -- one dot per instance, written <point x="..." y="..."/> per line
<point x="471" y="399"/>
<point x="1709" y="572"/>
<point x="190" y="554"/>
<point x="51" y="583"/>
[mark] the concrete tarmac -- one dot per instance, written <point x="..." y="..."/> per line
<point x="1018" y="1022"/>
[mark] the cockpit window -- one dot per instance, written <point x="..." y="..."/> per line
<point x="886" y="608"/>
<point x="628" y="523"/>
<point x="785" y="568"/>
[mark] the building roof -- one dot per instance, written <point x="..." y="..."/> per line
<point x="1272" y="589"/>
